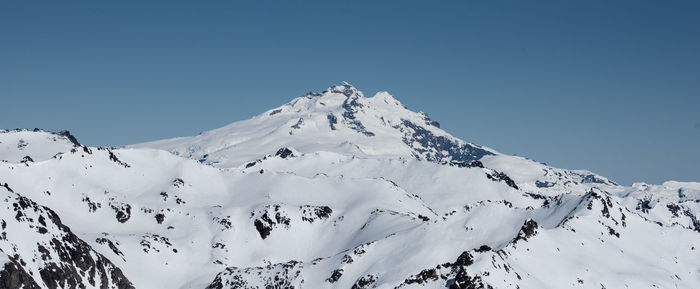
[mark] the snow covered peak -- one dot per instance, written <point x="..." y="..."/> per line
<point x="344" y="88"/>
<point x="340" y="98"/>
<point x="340" y="119"/>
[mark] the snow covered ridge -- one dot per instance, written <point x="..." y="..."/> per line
<point x="348" y="197"/>
<point x="20" y="145"/>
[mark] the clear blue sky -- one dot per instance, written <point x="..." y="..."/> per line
<point x="610" y="86"/>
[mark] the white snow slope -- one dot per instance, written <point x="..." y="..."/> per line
<point x="333" y="190"/>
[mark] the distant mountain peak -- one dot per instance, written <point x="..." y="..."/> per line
<point x="344" y="88"/>
<point x="340" y="119"/>
<point x="343" y="98"/>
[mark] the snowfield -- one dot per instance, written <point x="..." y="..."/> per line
<point x="332" y="190"/>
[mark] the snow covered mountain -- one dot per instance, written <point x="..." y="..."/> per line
<point x="332" y="190"/>
<point x="339" y="119"/>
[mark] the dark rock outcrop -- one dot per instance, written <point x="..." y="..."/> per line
<point x="528" y="230"/>
<point x="284" y="153"/>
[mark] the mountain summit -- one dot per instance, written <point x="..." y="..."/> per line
<point x="339" y="119"/>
